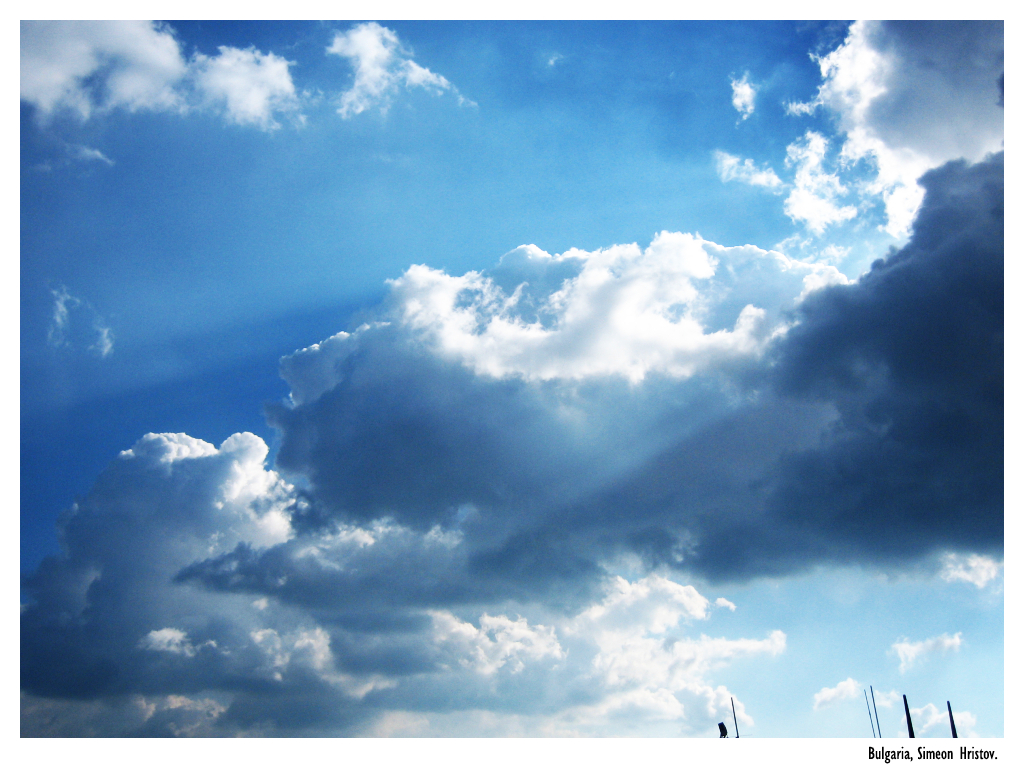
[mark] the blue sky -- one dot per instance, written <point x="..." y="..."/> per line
<point x="436" y="378"/>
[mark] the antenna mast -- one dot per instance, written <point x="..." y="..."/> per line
<point x="876" y="711"/>
<point x="869" y="714"/>
<point x="906" y="708"/>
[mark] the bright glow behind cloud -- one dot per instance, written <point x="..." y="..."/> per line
<point x="625" y="311"/>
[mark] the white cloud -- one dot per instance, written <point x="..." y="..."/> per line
<point x="382" y="65"/>
<point x="847" y="689"/>
<point x="929" y="717"/>
<point x="140" y="61"/>
<point x="168" y="640"/>
<point x="249" y="86"/>
<point x="653" y="604"/>
<point x="90" y="67"/>
<point x="250" y="502"/>
<point x="731" y="168"/>
<point x="499" y="641"/>
<point x="743" y="93"/>
<point x="627" y="312"/>
<point x="815" y="192"/>
<point x="974" y="569"/>
<point x="910" y="652"/>
<point x="910" y="98"/>
<point x="723" y="603"/>
<point x="644" y="668"/>
<point x="678" y="307"/>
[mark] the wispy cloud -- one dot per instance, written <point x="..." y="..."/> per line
<point x="74" y="322"/>
<point x="382" y="66"/>
<point x="912" y="652"/>
<point x="88" y="154"/>
<point x="732" y="168"/>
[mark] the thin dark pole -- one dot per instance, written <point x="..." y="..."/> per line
<point x="952" y="725"/>
<point x="869" y="714"/>
<point x="734" y="723"/>
<point x="906" y="708"/>
<point x="876" y="710"/>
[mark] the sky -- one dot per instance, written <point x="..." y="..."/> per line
<point x="500" y="379"/>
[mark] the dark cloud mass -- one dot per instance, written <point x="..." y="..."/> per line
<point x="420" y="503"/>
<point x="911" y="357"/>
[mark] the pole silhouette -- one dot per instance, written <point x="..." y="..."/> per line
<point x="876" y="710"/>
<point x="869" y="714"/>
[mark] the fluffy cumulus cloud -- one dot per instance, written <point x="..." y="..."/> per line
<point x="140" y="66"/>
<point x="847" y="689"/>
<point x="888" y="82"/>
<point x="910" y="653"/>
<point x="382" y="65"/>
<point x="464" y="481"/>
<point x="250" y="87"/>
<point x="90" y="67"/>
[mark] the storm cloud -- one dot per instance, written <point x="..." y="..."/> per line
<point x="458" y="476"/>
